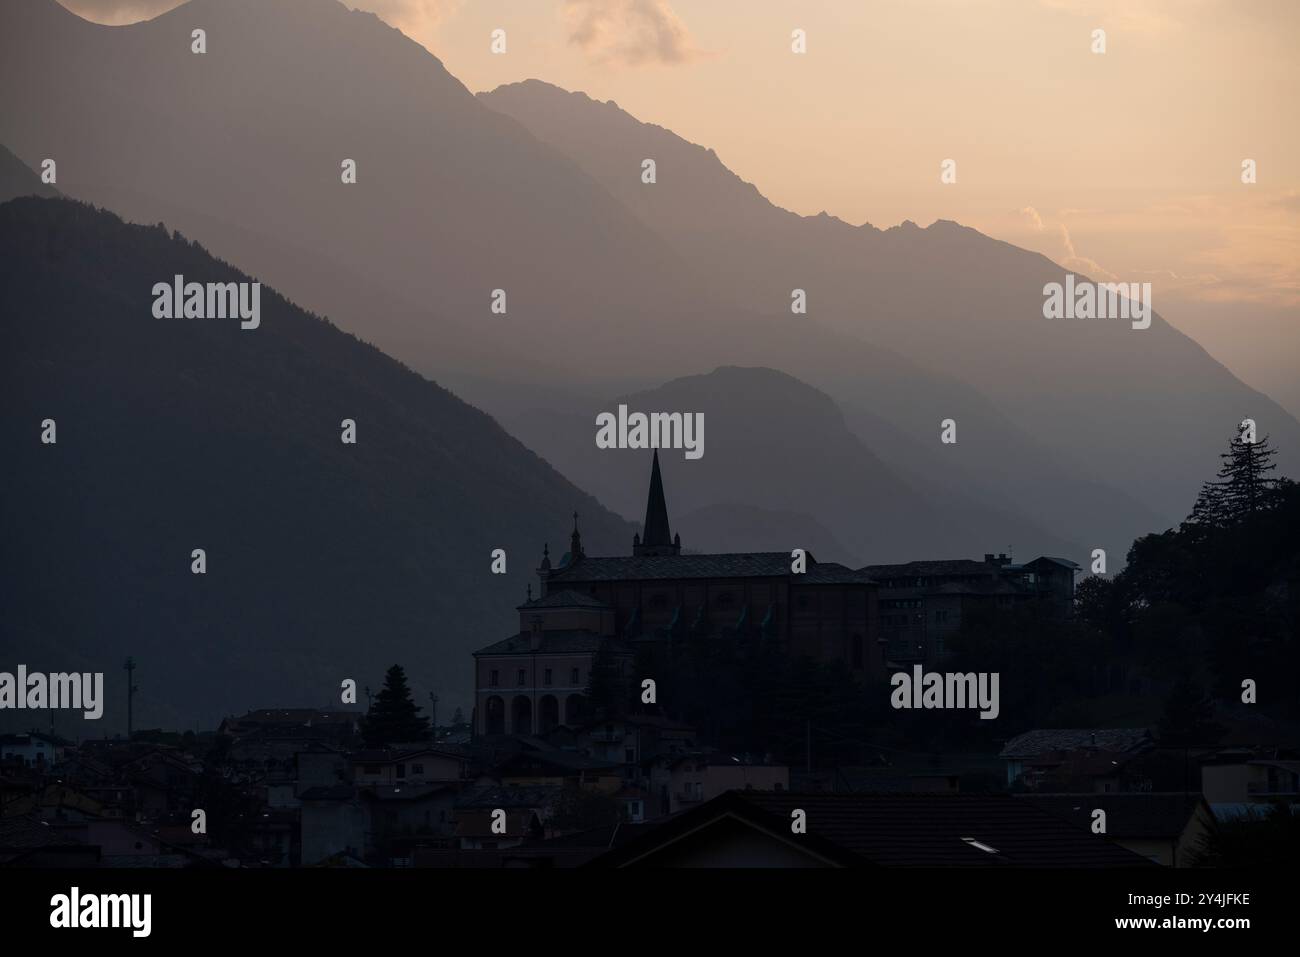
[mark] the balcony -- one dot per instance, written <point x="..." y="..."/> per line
<point x="607" y="737"/>
<point x="684" y="797"/>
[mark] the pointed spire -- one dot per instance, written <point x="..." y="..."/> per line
<point x="656" y="510"/>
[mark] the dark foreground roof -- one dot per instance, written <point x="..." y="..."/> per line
<point x="1153" y="814"/>
<point x="892" y="830"/>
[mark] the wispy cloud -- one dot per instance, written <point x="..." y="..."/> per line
<point x="1035" y="220"/>
<point x="629" y="32"/>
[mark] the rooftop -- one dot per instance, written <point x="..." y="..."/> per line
<point x="564" y="599"/>
<point x="1031" y="744"/>
<point x="1153" y="814"/>
<point x="558" y="642"/>
<point x="728" y="565"/>
<point x="898" y="830"/>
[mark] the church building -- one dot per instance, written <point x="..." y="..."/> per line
<point x="534" y="680"/>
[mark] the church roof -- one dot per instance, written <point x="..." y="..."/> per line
<point x="565" y="599"/>
<point x="559" y="642"/>
<point x="733" y="565"/>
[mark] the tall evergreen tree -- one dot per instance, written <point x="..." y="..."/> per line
<point x="394" y="716"/>
<point x="1243" y="488"/>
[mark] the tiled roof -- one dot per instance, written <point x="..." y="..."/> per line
<point x="930" y="569"/>
<point x="714" y="759"/>
<point x="1064" y="562"/>
<point x="24" y="833"/>
<point x="740" y="565"/>
<point x="392" y="755"/>
<point x="520" y="822"/>
<point x="296" y="716"/>
<point x="565" y="599"/>
<point x="554" y="758"/>
<point x="560" y="642"/>
<point x="1149" y="814"/>
<point x="331" y="792"/>
<point x="524" y="796"/>
<point x="1031" y="744"/>
<point x="406" y="792"/>
<point x="833" y="573"/>
<point x="903" y="830"/>
<point x="731" y="565"/>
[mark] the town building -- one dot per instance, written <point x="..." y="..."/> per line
<point x="923" y="603"/>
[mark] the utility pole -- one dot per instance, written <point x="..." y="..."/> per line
<point x="131" y="689"/>
<point x="433" y="711"/>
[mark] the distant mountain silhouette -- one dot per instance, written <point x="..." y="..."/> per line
<point x="325" y="561"/>
<point x="776" y="445"/>
<point x="242" y="147"/>
<point x="1142" y="410"/>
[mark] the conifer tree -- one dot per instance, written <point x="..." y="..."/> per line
<point x="1243" y="488"/>
<point x="394" y="716"/>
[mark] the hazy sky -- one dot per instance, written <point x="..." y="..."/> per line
<point x="1125" y="164"/>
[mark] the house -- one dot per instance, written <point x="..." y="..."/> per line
<point x="685" y="780"/>
<point x="1166" y="827"/>
<point x="404" y="816"/>
<point x="1244" y="781"/>
<point x="1039" y="754"/>
<point x="334" y="820"/>
<point x="31" y="750"/>
<point x="634" y="740"/>
<point x="527" y="809"/>
<point x="405" y="766"/>
<point x="757" y="829"/>
<point x="560" y="768"/>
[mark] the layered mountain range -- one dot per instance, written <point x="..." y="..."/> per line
<point x="673" y="296"/>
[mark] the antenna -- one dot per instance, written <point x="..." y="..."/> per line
<point x="131" y="689"/>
